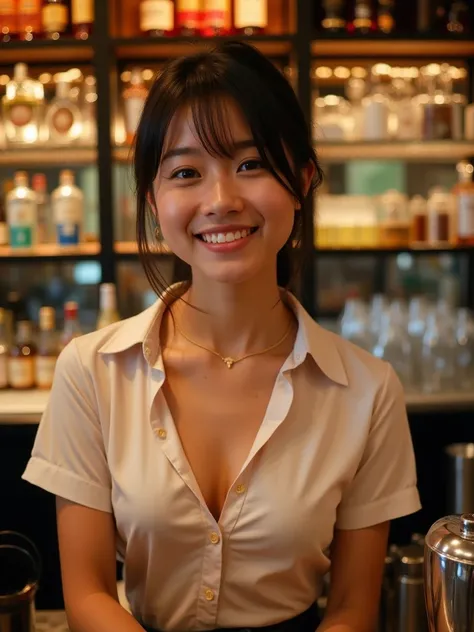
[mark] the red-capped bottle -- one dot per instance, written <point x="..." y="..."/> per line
<point x="250" y="16"/>
<point x="363" y="21"/>
<point x="217" y="18"/>
<point x="189" y="17"/>
<point x="29" y="19"/>
<point x="82" y="18"/>
<point x="157" y="17"/>
<point x="8" y="20"/>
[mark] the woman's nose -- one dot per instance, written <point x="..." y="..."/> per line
<point x="221" y="198"/>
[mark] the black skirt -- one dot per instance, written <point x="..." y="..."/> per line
<point x="307" y="621"/>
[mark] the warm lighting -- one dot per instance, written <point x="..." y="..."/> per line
<point x="90" y="80"/>
<point x="147" y="74"/>
<point x="74" y="74"/>
<point x="126" y="76"/>
<point x="359" y="72"/>
<point x="45" y="77"/>
<point x="323" y="72"/>
<point x="341" y="72"/>
<point x="381" y="69"/>
<point x="4" y="79"/>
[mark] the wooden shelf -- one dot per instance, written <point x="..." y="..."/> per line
<point x="51" y="252"/>
<point x="51" y="157"/>
<point x="379" y="47"/>
<point x="427" y="151"/>
<point x="168" y="47"/>
<point x="131" y="248"/>
<point x="41" y="51"/>
<point x="391" y="251"/>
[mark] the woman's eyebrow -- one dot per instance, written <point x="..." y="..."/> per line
<point x="194" y="151"/>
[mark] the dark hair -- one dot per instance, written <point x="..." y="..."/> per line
<point x="202" y="81"/>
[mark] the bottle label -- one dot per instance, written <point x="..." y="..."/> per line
<point x="466" y="214"/>
<point x="29" y="15"/>
<point x="55" y="18"/>
<point x="21" y="114"/>
<point x="21" y="219"/>
<point x="21" y="372"/>
<point x="7" y="16"/>
<point x="68" y="234"/>
<point x="156" y="15"/>
<point x="21" y="236"/>
<point x="217" y="14"/>
<point x="189" y="14"/>
<point x="82" y="11"/>
<point x="45" y="366"/>
<point x="251" y="13"/>
<point x="133" y="112"/>
<point x="62" y="120"/>
<point x="3" y="370"/>
<point x="68" y="219"/>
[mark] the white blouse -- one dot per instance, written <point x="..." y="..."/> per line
<point x="333" y="450"/>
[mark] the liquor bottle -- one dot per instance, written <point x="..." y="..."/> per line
<point x="441" y="206"/>
<point x="8" y="20"/>
<point x="22" y="107"/>
<point x="89" y="112"/>
<point x="458" y="17"/>
<point x="72" y="328"/>
<point x="217" y="18"/>
<point x="63" y="116"/>
<point x="82" y="18"/>
<point x="108" y="313"/>
<point x="4" y="350"/>
<point x="55" y="17"/>
<point x="3" y="219"/>
<point x="464" y="191"/>
<point x="251" y="16"/>
<point x="29" y="19"/>
<point x="439" y="18"/>
<point x="21" y="213"/>
<point x="189" y="17"/>
<point x="22" y="358"/>
<point x="157" y="17"/>
<point x="419" y="221"/>
<point x="385" y="16"/>
<point x="47" y="351"/>
<point x="39" y="186"/>
<point x="134" y="97"/>
<point x="363" y="20"/>
<point x="67" y="202"/>
<point x="334" y="20"/>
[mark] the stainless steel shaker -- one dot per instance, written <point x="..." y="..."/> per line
<point x="449" y="574"/>
<point x="409" y="590"/>
<point x="20" y="569"/>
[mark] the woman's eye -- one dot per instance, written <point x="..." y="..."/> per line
<point x="251" y="165"/>
<point x="185" y="174"/>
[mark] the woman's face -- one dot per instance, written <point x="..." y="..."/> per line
<point x="226" y="217"/>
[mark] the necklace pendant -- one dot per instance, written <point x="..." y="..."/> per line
<point x="230" y="362"/>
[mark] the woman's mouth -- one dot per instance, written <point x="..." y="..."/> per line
<point x="228" y="240"/>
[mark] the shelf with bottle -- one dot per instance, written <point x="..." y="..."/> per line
<point x="350" y="47"/>
<point x="130" y="248"/>
<point x="408" y="151"/>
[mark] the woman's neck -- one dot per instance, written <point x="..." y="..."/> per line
<point x="233" y="319"/>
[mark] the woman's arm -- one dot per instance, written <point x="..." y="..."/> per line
<point x="87" y="550"/>
<point x="357" y="564"/>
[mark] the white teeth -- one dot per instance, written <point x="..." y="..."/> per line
<point x="221" y="238"/>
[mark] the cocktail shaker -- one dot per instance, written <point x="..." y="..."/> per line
<point x="449" y="574"/>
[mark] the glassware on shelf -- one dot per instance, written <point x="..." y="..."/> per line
<point x="458" y="17"/>
<point x="8" y="20"/>
<point x="378" y="307"/>
<point x="3" y="216"/>
<point x="438" y="355"/>
<point x="55" y="18"/>
<point x="394" y="220"/>
<point x="67" y="202"/>
<point x="441" y="206"/>
<point x="376" y="106"/>
<point x="156" y="17"/>
<point x="108" y="313"/>
<point x="438" y="110"/>
<point x="134" y="97"/>
<point x="47" y="349"/>
<point x="39" y="186"/>
<point x="332" y="116"/>
<point x="251" y="16"/>
<point x="464" y="350"/>
<point x="72" y="328"/>
<point x="394" y="346"/>
<point x="22" y="358"/>
<point x="63" y="116"/>
<point x="464" y="192"/>
<point x="89" y="112"/>
<point x="22" y="213"/>
<point x="354" y="324"/>
<point x="363" y="21"/>
<point x="356" y="89"/>
<point x="334" y="20"/>
<point x="407" y="122"/>
<point x="82" y="18"/>
<point x="29" y="19"/>
<point x="416" y="325"/>
<point x="22" y="108"/>
<point x="419" y="221"/>
<point x="346" y="221"/>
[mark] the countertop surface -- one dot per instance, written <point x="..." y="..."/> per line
<point x="54" y="621"/>
<point x="26" y="407"/>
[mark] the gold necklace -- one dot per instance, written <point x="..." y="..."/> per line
<point x="231" y="361"/>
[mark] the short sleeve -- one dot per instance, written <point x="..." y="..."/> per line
<point x="68" y="457"/>
<point x="384" y="486"/>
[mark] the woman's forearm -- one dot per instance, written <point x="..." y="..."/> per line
<point x="99" y="612"/>
<point x="346" y="620"/>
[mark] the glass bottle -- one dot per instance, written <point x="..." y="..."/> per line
<point x="157" y="17"/>
<point x="22" y="213"/>
<point x="417" y="311"/>
<point x="354" y="324"/>
<point x="3" y="219"/>
<point x="47" y="351"/>
<point x="63" y="116"/>
<point x="464" y="350"/>
<point x="250" y="16"/>
<point x="22" y="108"/>
<point x="29" y="19"/>
<point x="188" y="17"/>
<point x="363" y="19"/>
<point x="40" y="187"/>
<point x="134" y="97"/>
<point x="386" y="16"/>
<point x="419" y="221"/>
<point x="217" y="16"/>
<point x="72" y="328"/>
<point x="458" y="17"/>
<point x="22" y="358"/>
<point x="67" y="202"/>
<point x="55" y="17"/>
<point x="394" y="220"/>
<point x="437" y="358"/>
<point x="437" y="119"/>
<point x="4" y="350"/>
<point x="464" y="191"/>
<point x="394" y="346"/>
<point x="376" y="108"/>
<point x="89" y="112"/>
<point x="8" y="20"/>
<point x="108" y="313"/>
<point x="82" y="18"/>
<point x="378" y="307"/>
<point x="356" y="89"/>
<point x="441" y="230"/>
<point x="334" y="20"/>
<point x="407" y="120"/>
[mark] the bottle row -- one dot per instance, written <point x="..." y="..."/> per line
<point x="52" y="19"/>
<point x="395" y="103"/>
<point x="30" y="216"/>
<point x="28" y="358"/>
<point x="391" y="220"/>
<point x="363" y="17"/>
<point x="68" y="118"/>
<point x="430" y="345"/>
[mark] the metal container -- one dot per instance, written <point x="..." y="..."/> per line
<point x="460" y="492"/>
<point x="449" y="574"/>
<point x="20" y="570"/>
<point x="386" y="620"/>
<point x="410" y="600"/>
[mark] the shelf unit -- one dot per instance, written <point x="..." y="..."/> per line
<point x="108" y="53"/>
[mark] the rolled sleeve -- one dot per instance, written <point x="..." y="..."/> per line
<point x="68" y="457"/>
<point x="384" y="486"/>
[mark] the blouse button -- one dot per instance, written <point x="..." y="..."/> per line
<point x="162" y="433"/>
<point x="209" y="595"/>
<point x="147" y="351"/>
<point x="214" y="538"/>
<point x="240" y="489"/>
